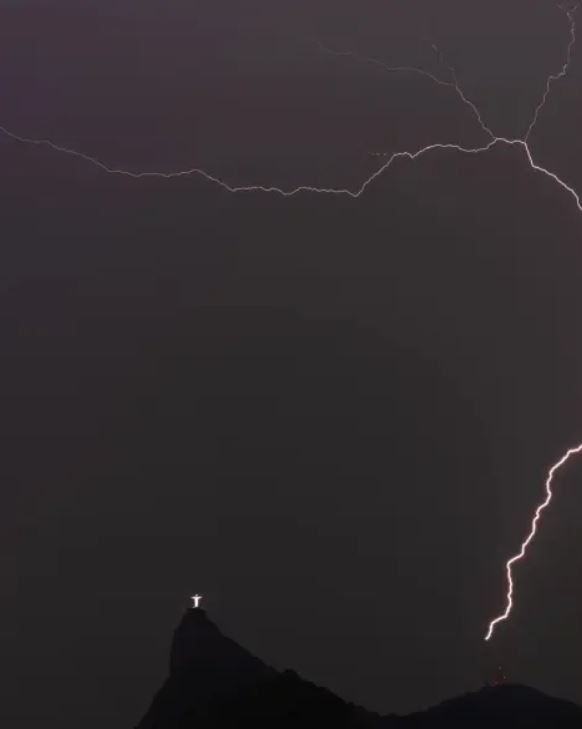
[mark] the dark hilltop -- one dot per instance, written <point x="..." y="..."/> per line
<point x="214" y="683"/>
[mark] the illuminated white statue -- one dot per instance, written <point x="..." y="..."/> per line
<point x="196" y="600"/>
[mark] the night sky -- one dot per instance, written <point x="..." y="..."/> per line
<point x="331" y="416"/>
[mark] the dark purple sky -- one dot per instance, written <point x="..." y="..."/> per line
<point x="332" y="416"/>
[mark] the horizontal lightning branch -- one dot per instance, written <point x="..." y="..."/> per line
<point x="196" y="171"/>
<point x="291" y="192"/>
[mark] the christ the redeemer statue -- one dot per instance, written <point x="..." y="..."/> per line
<point x="196" y="599"/>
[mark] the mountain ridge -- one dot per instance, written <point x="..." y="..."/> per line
<point x="214" y="683"/>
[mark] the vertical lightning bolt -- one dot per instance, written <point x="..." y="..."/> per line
<point x="534" y="527"/>
<point x="577" y="449"/>
<point x="492" y="140"/>
<point x="524" y="143"/>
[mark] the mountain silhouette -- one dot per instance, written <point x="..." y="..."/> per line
<point x="510" y="705"/>
<point x="214" y="683"/>
<point x="205" y="667"/>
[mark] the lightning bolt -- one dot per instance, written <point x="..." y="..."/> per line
<point x="453" y="83"/>
<point x="357" y="192"/>
<point x="555" y="76"/>
<point x="492" y="141"/>
<point x="534" y="527"/>
<point x="576" y="449"/>
<point x="524" y="143"/>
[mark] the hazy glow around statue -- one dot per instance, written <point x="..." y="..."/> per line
<point x="196" y="599"/>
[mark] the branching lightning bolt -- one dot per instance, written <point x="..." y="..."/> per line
<point x="555" y="76"/>
<point x="524" y="143"/>
<point x="492" y="140"/>
<point x="453" y="83"/>
<point x="357" y="192"/>
<point x="577" y="449"/>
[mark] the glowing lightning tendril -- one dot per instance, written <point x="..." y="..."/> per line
<point x="492" y="141"/>
<point x="555" y="76"/>
<point x="577" y="449"/>
<point x="534" y="527"/>
<point x="524" y="143"/>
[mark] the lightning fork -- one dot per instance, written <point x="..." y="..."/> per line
<point x="555" y="76"/>
<point x="411" y="156"/>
